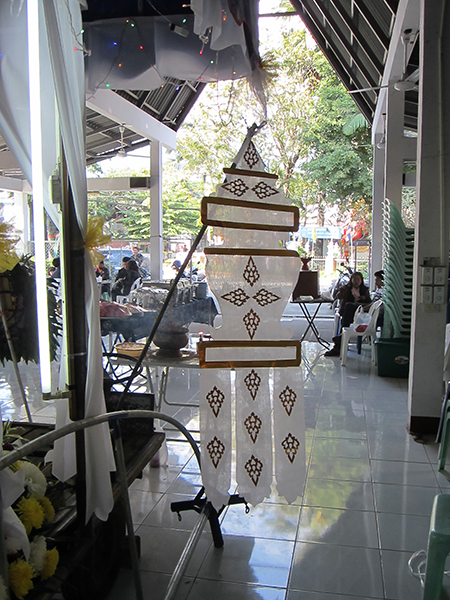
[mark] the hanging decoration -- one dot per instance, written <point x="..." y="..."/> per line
<point x="95" y="238"/>
<point x="252" y="277"/>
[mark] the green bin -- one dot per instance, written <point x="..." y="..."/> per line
<point x="393" y="357"/>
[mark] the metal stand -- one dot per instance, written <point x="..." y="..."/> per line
<point x="310" y="320"/>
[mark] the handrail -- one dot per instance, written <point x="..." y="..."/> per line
<point x="10" y="458"/>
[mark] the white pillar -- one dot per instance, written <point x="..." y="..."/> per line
<point x="393" y="180"/>
<point x="156" y="211"/>
<point x="377" y="207"/>
<point x="433" y="199"/>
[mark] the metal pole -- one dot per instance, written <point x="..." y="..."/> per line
<point x="122" y="471"/>
<point x="48" y="438"/>
<point x="161" y="314"/>
<point x="187" y="553"/>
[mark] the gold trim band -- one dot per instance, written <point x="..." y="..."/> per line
<point x="253" y="205"/>
<point x="237" y="364"/>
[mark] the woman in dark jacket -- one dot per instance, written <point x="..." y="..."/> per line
<point x="123" y="284"/>
<point x="352" y="295"/>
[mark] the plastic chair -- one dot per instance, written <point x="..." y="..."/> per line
<point x="370" y="331"/>
<point x="438" y="547"/>
<point x="136" y="284"/>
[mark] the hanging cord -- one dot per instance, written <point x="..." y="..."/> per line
<point x="417" y="565"/>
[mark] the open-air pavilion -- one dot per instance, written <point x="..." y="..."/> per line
<point x="372" y="469"/>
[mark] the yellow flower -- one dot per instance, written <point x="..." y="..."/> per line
<point x="49" y="511"/>
<point x="8" y="239"/>
<point x="30" y="513"/>
<point x="21" y="574"/>
<point x="51" y="560"/>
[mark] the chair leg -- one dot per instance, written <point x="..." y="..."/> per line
<point x="443" y="446"/>
<point x="373" y="349"/>
<point x="436" y="557"/>
<point x="359" y="344"/>
<point x="344" y="349"/>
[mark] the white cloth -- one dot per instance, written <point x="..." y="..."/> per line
<point x="62" y="76"/>
<point x="68" y="76"/>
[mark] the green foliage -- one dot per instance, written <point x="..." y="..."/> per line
<point x="21" y="314"/>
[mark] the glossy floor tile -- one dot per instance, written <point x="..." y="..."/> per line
<point x="365" y="509"/>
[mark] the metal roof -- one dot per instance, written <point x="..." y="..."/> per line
<point x="354" y="35"/>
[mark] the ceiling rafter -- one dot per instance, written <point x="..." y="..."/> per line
<point x="335" y="58"/>
<point x="331" y="24"/>
<point x="373" y="23"/>
<point x="357" y="34"/>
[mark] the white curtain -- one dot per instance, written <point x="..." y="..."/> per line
<point x="62" y="77"/>
<point x="14" y="99"/>
<point x="63" y="22"/>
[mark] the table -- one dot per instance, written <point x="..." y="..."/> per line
<point x="161" y="364"/>
<point x="304" y="307"/>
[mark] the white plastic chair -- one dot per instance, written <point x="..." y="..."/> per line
<point x="136" y="284"/>
<point x="370" y="332"/>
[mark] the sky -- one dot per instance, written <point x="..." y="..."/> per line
<point x="269" y="32"/>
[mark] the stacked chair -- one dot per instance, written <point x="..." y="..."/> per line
<point x="398" y="251"/>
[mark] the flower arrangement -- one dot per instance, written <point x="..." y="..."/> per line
<point x="27" y="511"/>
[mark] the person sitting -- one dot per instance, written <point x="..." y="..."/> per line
<point x="352" y="295"/>
<point x="123" y="284"/>
<point x="176" y="266"/>
<point x="56" y="274"/>
<point x="379" y="285"/>
<point x="102" y="274"/>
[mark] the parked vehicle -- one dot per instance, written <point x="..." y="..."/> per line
<point x="344" y="277"/>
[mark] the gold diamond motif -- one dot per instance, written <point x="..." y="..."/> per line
<point x="264" y="297"/>
<point x="288" y="398"/>
<point x="254" y="469"/>
<point x="215" y="448"/>
<point x="252" y="380"/>
<point x="262" y="190"/>
<point x="251" y="273"/>
<point x="253" y="426"/>
<point x="251" y="322"/>
<point x="236" y="187"/>
<point x="290" y="445"/>
<point x="251" y="156"/>
<point x="215" y="400"/>
<point x="237" y="297"/>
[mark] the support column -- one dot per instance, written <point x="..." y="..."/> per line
<point x="156" y="211"/>
<point x="377" y="208"/>
<point x="433" y="199"/>
<point x="393" y="180"/>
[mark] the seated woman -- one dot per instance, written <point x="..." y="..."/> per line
<point x="352" y="295"/>
<point x="123" y="285"/>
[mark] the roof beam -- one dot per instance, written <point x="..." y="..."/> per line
<point x="117" y="184"/>
<point x="11" y="184"/>
<point x="116" y="108"/>
<point x="349" y="21"/>
<point x="366" y="13"/>
<point x="336" y="60"/>
<point x="356" y="59"/>
<point x="8" y="161"/>
<point x="408" y="17"/>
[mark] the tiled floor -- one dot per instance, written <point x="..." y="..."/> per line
<point x="365" y="509"/>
